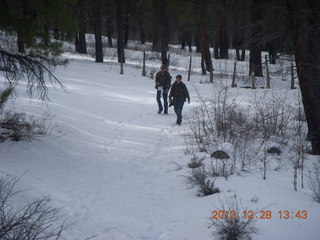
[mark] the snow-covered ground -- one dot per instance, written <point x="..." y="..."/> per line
<point x="111" y="163"/>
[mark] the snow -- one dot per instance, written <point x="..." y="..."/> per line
<point x="111" y="163"/>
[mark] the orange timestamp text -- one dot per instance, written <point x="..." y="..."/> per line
<point x="262" y="214"/>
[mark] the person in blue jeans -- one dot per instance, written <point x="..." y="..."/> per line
<point x="178" y="95"/>
<point x="163" y="84"/>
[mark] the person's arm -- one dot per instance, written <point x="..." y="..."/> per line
<point x="168" y="81"/>
<point x="187" y="93"/>
<point x="157" y="82"/>
<point x="172" y="91"/>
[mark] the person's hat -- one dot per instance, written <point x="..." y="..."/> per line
<point x="179" y="76"/>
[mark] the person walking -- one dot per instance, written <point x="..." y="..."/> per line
<point x="178" y="95"/>
<point x="163" y="84"/>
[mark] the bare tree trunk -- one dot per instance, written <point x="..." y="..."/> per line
<point x="292" y="77"/>
<point x="197" y="40"/>
<point x="155" y="26"/>
<point x="216" y="46"/>
<point x="120" y="43"/>
<point x="307" y="57"/>
<point x="144" y="73"/>
<point x="268" y="75"/>
<point x="255" y="64"/>
<point x="126" y="26"/>
<point x="203" y="67"/>
<point x="243" y="54"/>
<point x="189" y="41"/>
<point x="109" y="23"/>
<point x="189" y="71"/>
<point x="21" y="48"/>
<point x="97" y="30"/>
<point x="234" y="84"/>
<point x="205" y="51"/>
<point x="81" y="44"/>
<point x="163" y="26"/>
<point x="223" y="37"/>
<point x="183" y="41"/>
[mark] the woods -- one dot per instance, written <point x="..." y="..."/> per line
<point x="278" y="27"/>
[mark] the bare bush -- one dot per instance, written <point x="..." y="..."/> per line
<point x="221" y="120"/>
<point x="36" y="220"/>
<point x="200" y="178"/>
<point x="221" y="168"/>
<point x="232" y="226"/>
<point x="272" y="113"/>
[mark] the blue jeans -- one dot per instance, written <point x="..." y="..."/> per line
<point x="165" y="101"/>
<point x="178" y="106"/>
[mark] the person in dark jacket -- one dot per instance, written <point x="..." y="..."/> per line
<point x="178" y="95"/>
<point x="163" y="84"/>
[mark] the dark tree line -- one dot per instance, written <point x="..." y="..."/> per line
<point x="276" y="26"/>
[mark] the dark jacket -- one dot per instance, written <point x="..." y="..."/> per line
<point x="163" y="79"/>
<point x="179" y="91"/>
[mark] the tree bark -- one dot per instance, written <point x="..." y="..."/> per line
<point x="205" y="51"/>
<point x="81" y="43"/>
<point x="120" y="43"/>
<point x="21" y="48"/>
<point x="126" y="26"/>
<point x="155" y="26"/>
<point x="97" y="31"/>
<point x="307" y="58"/>
<point x="197" y="40"/>
<point x="109" y="24"/>
<point x="223" y="37"/>
<point x="216" y="46"/>
<point x="162" y="18"/>
<point x="255" y="64"/>
<point x="183" y="41"/>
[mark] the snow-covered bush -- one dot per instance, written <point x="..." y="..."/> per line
<point x="195" y="162"/>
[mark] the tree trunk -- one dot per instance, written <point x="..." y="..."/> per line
<point x="97" y="31"/>
<point x="183" y="41"/>
<point x="162" y="18"/>
<point x="189" y="42"/>
<point x="307" y="57"/>
<point x="126" y="26"/>
<point x="56" y="33"/>
<point x="205" y="51"/>
<point x="238" y="54"/>
<point x="142" y="34"/>
<point x="21" y="48"/>
<point x="243" y="54"/>
<point x="155" y="26"/>
<point x="197" y="40"/>
<point x="223" y="37"/>
<point x="120" y="43"/>
<point x="109" y="24"/>
<point x="81" y="43"/>
<point x="255" y="64"/>
<point x="272" y="54"/>
<point x="216" y="46"/>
